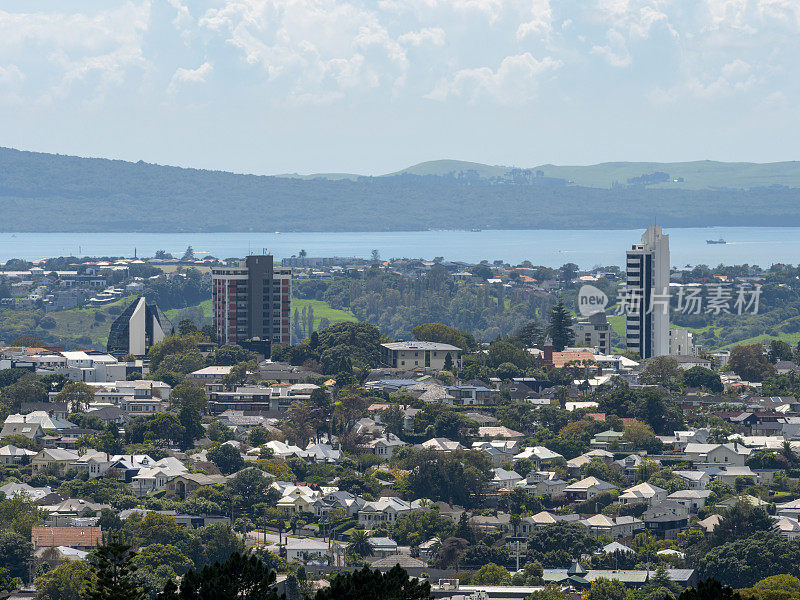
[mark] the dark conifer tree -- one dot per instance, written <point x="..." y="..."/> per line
<point x="560" y="329"/>
<point x="114" y="574"/>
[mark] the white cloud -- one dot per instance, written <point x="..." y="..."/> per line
<point x="316" y="47"/>
<point x="540" y="22"/>
<point x="616" y="51"/>
<point x="429" y="35"/>
<point x="514" y="82"/>
<point x="198" y="75"/>
<point x="10" y="75"/>
<point x="98" y="50"/>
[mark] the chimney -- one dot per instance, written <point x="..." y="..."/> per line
<point x="599" y="371"/>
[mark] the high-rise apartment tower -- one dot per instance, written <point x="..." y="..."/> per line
<point x="647" y="294"/>
<point x="252" y="301"/>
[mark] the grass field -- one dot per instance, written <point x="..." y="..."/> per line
<point x="322" y="310"/>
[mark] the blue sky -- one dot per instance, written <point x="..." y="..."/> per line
<point x="272" y="86"/>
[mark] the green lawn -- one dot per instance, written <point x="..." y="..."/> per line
<point x="322" y="310"/>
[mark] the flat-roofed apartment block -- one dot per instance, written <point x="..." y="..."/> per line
<point x="252" y="300"/>
<point x="594" y="332"/>
<point x="429" y="355"/>
<point x="647" y="289"/>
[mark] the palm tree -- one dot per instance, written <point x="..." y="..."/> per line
<point x="359" y="543"/>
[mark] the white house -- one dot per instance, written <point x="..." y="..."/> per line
<point x="644" y="492"/>
<point x="384" y="510"/>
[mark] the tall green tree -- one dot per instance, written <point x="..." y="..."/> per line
<point x="240" y="577"/>
<point x="113" y="573"/>
<point x="360" y="585"/>
<point x="560" y="328"/>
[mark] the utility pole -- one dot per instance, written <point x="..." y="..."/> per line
<point x="516" y="553"/>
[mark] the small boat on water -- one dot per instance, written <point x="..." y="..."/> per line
<point x="719" y="241"/>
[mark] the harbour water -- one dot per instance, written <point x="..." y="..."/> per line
<point x="587" y="248"/>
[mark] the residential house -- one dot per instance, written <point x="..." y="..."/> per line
<point x="32" y="431"/>
<point x="322" y="453"/>
<point x="586" y="489"/>
<point x="693" y="500"/>
<point x="384" y="510"/>
<point x="11" y="455"/>
<point x="543" y="519"/>
<point x="729" y="474"/>
<point x="733" y="454"/>
<point x="340" y="499"/>
<point x="644" y="492"/>
<point x="491" y="524"/>
<point x="470" y="395"/>
<point x="156" y="477"/>
<point x="697" y="480"/>
<point x="539" y="456"/>
<point x="385" y="446"/>
<point x="12" y="489"/>
<point x="183" y="485"/>
<point x="576" y="464"/>
<point x="93" y="462"/>
<point x="306" y="550"/>
<point x="503" y="479"/>
<point x="788" y="528"/>
<point x="431" y="355"/>
<point x="382" y="546"/>
<point x="614" y="527"/>
<point x="71" y="511"/>
<point x="544" y="482"/>
<point x="56" y="459"/>
<point x="81" y="538"/>
<point x="631" y="463"/>
<point x="667" y="519"/>
<point x="604" y="439"/>
<point x="499" y="433"/>
<point x="442" y="445"/>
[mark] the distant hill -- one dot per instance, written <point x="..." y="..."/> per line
<point x="702" y="174"/>
<point x="695" y="175"/>
<point x="47" y="192"/>
<point x="453" y="167"/>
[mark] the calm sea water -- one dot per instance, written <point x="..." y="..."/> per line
<point x="754" y="245"/>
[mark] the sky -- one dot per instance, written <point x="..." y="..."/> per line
<point x="373" y="86"/>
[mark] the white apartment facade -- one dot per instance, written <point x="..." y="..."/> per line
<point x="647" y="294"/>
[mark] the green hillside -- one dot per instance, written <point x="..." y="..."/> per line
<point x="452" y="167"/>
<point x="697" y="174"/>
<point x="52" y="193"/>
<point x="322" y="310"/>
